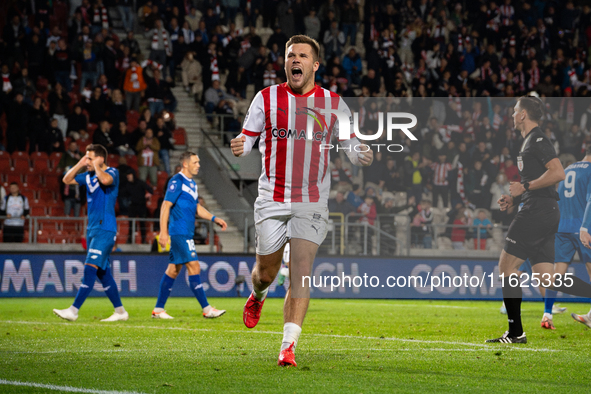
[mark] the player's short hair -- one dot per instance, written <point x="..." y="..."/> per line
<point x="98" y="150"/>
<point x="533" y="106"/>
<point x="186" y="156"/>
<point x="303" y="39"/>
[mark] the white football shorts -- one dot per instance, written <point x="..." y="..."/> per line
<point x="277" y="222"/>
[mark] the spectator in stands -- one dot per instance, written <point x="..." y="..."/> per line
<point x="497" y="189"/>
<point x="99" y="17"/>
<point x="440" y="180"/>
<point x="15" y="206"/>
<point x="89" y="65"/>
<point x="355" y="197"/>
<point x="37" y="124"/>
<point x="15" y="38"/>
<point x="413" y="166"/>
<point x="132" y="202"/>
<point x="134" y="85"/>
<point x="458" y="232"/>
<point x="393" y="181"/>
<point x="102" y="136"/>
<point x="147" y="149"/>
<point x="122" y="139"/>
<point x="138" y="133"/>
<point x="36" y="55"/>
<point x="59" y="102"/>
<point x="481" y="220"/>
<point x="341" y="176"/>
<point x="63" y="64"/>
<point x="126" y="13"/>
<point x="111" y="56"/>
<point x="16" y="119"/>
<point x="24" y="84"/>
<point x="334" y="40"/>
<point x="54" y="139"/>
<point x="164" y="136"/>
<point x="352" y="66"/>
<point x="368" y="210"/>
<point x="191" y="76"/>
<point x="97" y="106"/>
<point x="340" y="205"/>
<point x="77" y="120"/>
<point x="422" y="218"/>
<point x="475" y="184"/>
<point x="132" y="44"/>
<point x="312" y="24"/>
<point x="511" y="171"/>
<point x="155" y="91"/>
<point x="218" y="101"/>
<point x="194" y="16"/>
<point x="161" y="46"/>
<point x="117" y="108"/>
<point x="72" y="194"/>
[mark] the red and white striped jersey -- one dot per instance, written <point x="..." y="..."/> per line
<point x="440" y="171"/>
<point x="292" y="130"/>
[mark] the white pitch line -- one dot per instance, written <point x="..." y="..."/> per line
<point x="432" y="306"/>
<point x="68" y="389"/>
<point x="394" y="339"/>
<point x="67" y="351"/>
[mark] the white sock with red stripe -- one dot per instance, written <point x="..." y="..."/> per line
<point x="291" y="334"/>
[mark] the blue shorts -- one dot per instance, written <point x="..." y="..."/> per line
<point x="566" y="244"/>
<point x="182" y="249"/>
<point x="100" y="243"/>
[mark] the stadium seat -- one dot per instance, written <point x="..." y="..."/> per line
<point x="12" y="176"/>
<point x="21" y="165"/>
<point x="3" y="153"/>
<point x="19" y="155"/>
<point x="61" y="238"/>
<point x="42" y="237"/>
<point x="132" y="162"/>
<point x="30" y="194"/>
<point x="39" y="155"/>
<point x="5" y="162"/>
<point x="54" y="159"/>
<point x="37" y="210"/>
<point x="52" y="182"/>
<point x="112" y="159"/>
<point x="41" y="166"/>
<point x="162" y="177"/>
<point x="57" y="211"/>
<point x="46" y="195"/>
<point x="91" y="128"/>
<point x="32" y="179"/>
<point x="180" y="136"/>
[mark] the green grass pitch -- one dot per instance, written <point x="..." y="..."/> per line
<point x="358" y="346"/>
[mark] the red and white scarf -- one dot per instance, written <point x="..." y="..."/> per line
<point x="269" y="78"/>
<point x="101" y="15"/>
<point x="507" y="12"/>
<point x="134" y="78"/>
<point x="6" y="85"/>
<point x="460" y="43"/>
<point x="460" y="184"/>
<point x="573" y="77"/>
<point x="497" y="120"/>
<point x="567" y="104"/>
<point x="164" y="40"/>
<point x="534" y="78"/>
<point x="213" y="66"/>
<point x="519" y="79"/>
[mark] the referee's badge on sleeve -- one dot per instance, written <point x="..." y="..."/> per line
<point x="520" y="163"/>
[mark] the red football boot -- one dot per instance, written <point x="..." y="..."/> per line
<point x="287" y="357"/>
<point x="252" y="311"/>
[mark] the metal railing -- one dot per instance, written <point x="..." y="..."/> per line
<point x="389" y="235"/>
<point x="218" y="124"/>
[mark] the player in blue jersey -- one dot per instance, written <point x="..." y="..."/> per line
<point x="177" y="223"/>
<point x="573" y="234"/>
<point x="102" y="186"/>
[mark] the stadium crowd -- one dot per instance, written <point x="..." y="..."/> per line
<point x="68" y="80"/>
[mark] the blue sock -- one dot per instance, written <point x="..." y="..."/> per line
<point x="549" y="300"/>
<point x="110" y="286"/>
<point x="197" y="287"/>
<point x="165" y="288"/>
<point x="86" y="286"/>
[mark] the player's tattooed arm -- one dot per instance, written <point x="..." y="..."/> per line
<point x="69" y="178"/>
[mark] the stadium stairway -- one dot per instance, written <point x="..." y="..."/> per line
<point x="186" y="117"/>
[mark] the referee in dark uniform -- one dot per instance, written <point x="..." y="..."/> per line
<point x="531" y="234"/>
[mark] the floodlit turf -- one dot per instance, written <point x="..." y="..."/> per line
<point x="347" y="346"/>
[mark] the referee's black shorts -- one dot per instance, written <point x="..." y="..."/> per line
<point x="531" y="234"/>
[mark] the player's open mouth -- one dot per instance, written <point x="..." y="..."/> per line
<point x="297" y="73"/>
